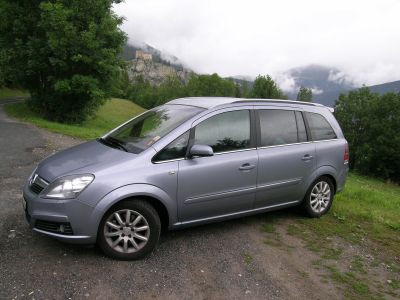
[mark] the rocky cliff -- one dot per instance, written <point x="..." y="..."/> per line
<point x="156" y="72"/>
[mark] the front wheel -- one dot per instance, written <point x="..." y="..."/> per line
<point x="130" y="230"/>
<point x="319" y="197"/>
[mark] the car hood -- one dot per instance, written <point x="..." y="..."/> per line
<point x="80" y="159"/>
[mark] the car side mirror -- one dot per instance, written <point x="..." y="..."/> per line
<point x="201" y="150"/>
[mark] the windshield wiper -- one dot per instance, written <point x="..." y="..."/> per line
<point x="113" y="143"/>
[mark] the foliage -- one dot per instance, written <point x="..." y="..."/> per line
<point x="111" y="114"/>
<point x="210" y="85"/>
<point x="148" y="96"/>
<point x="64" y="52"/>
<point x="371" y="123"/>
<point x="266" y="88"/>
<point x="304" y="94"/>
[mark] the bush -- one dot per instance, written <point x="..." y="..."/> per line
<point x="371" y="123"/>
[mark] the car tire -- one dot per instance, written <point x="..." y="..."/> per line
<point x="319" y="197"/>
<point x="129" y="230"/>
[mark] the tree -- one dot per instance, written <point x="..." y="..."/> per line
<point x="370" y="123"/>
<point x="265" y="88"/>
<point x="210" y="85"/>
<point x="304" y="94"/>
<point x="64" y="52"/>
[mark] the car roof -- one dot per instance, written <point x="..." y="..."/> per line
<point x="211" y="102"/>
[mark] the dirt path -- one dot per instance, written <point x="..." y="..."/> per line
<point x="228" y="260"/>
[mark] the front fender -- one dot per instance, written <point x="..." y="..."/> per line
<point x="134" y="190"/>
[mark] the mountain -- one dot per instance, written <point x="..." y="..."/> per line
<point x="129" y="53"/>
<point x="326" y="82"/>
<point x="153" y="65"/>
<point x="393" y="87"/>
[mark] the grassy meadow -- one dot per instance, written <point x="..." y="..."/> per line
<point x="6" y="93"/>
<point x="111" y="114"/>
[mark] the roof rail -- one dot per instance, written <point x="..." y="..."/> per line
<point x="278" y="101"/>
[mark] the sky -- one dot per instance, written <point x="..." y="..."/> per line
<point x="251" y="37"/>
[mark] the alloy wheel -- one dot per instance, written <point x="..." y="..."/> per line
<point x="126" y="231"/>
<point x="320" y="196"/>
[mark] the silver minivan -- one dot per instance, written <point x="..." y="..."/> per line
<point x="188" y="162"/>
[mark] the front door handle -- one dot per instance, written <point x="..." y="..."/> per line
<point x="246" y="167"/>
<point x="307" y="157"/>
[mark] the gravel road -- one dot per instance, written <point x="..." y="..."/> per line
<point x="223" y="260"/>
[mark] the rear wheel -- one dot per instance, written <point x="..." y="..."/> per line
<point x="319" y="197"/>
<point x="130" y="230"/>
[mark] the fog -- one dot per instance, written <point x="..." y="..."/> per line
<point x="361" y="38"/>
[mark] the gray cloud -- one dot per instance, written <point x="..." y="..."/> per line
<point x="359" y="37"/>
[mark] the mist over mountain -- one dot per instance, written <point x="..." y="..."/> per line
<point x="129" y="53"/>
<point x="326" y="82"/>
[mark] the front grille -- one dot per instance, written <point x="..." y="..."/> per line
<point x="37" y="184"/>
<point x="36" y="188"/>
<point x="55" y="227"/>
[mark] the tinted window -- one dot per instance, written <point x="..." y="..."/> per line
<point x="143" y="131"/>
<point x="225" y="132"/>
<point x="175" y="150"/>
<point x="278" y="127"/>
<point x="319" y="127"/>
<point x="301" y="129"/>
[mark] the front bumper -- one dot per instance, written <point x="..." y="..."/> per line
<point x="66" y="220"/>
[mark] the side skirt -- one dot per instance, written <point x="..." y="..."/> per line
<point x="240" y="214"/>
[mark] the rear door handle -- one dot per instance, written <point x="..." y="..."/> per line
<point x="246" y="167"/>
<point x="307" y="157"/>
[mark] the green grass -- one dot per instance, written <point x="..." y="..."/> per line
<point x="112" y="113"/>
<point x="247" y="258"/>
<point x="268" y="227"/>
<point x="367" y="209"/>
<point x="355" y="286"/>
<point x="366" y="213"/>
<point x="6" y="93"/>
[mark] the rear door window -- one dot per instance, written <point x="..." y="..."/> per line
<point x="277" y="127"/>
<point x="320" y="127"/>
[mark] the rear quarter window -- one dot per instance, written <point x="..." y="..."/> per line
<point x="320" y="127"/>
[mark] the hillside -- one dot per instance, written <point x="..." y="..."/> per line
<point x="156" y="68"/>
<point x="156" y="72"/>
<point x="113" y="113"/>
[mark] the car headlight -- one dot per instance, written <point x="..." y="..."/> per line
<point x="67" y="187"/>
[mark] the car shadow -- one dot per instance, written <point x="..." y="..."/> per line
<point x="223" y="228"/>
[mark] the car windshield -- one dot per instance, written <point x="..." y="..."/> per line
<point x="143" y="131"/>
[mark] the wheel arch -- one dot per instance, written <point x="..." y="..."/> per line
<point x="327" y="171"/>
<point x="157" y="204"/>
<point x="161" y="201"/>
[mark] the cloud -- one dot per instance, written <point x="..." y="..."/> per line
<point x="287" y="83"/>
<point x="237" y="37"/>
<point x="317" y="91"/>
